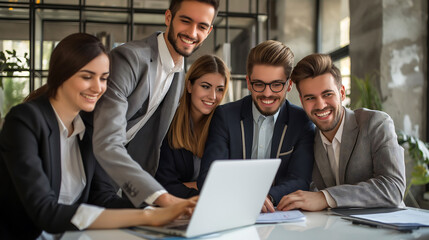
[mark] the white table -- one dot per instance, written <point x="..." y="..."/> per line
<point x="318" y="226"/>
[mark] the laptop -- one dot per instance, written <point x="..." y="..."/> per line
<point x="232" y="196"/>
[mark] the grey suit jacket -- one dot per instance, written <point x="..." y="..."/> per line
<point x="371" y="167"/>
<point x="133" y="67"/>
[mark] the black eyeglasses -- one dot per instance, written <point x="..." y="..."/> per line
<point x="276" y="86"/>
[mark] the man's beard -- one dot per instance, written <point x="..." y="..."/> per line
<point x="272" y="112"/>
<point x="170" y="38"/>
<point x="336" y="120"/>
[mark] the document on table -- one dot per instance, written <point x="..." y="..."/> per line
<point x="408" y="216"/>
<point x="281" y="217"/>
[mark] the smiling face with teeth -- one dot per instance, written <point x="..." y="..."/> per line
<point x="83" y="89"/>
<point x="321" y="99"/>
<point x="268" y="102"/>
<point x="188" y="28"/>
<point x="206" y="93"/>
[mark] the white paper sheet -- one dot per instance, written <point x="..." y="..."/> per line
<point x="281" y="216"/>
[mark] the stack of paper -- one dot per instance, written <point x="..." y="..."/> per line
<point x="408" y="216"/>
<point x="401" y="219"/>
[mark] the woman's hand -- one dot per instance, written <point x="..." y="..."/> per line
<point x="161" y="216"/>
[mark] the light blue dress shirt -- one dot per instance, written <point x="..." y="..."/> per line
<point x="263" y="128"/>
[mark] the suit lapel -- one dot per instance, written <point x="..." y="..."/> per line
<point x="348" y="141"/>
<point x="54" y="141"/>
<point x="247" y="127"/>
<point x="322" y="161"/>
<point x="153" y="43"/>
<point x="173" y="94"/>
<point x="279" y="127"/>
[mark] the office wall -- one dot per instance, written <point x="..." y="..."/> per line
<point x="296" y="28"/>
<point x="404" y="64"/>
<point x="388" y="39"/>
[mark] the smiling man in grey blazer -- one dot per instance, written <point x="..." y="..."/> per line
<point x="358" y="161"/>
<point x="144" y="88"/>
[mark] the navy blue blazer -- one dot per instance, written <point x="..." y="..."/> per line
<point x="30" y="174"/>
<point x="231" y="137"/>
<point x="175" y="167"/>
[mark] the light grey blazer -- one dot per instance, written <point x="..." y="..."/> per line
<point x="371" y="167"/>
<point x="133" y="67"/>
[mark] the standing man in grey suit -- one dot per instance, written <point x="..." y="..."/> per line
<point x="144" y="88"/>
<point x="358" y="161"/>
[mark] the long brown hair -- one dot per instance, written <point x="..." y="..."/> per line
<point x="68" y="57"/>
<point x="181" y="134"/>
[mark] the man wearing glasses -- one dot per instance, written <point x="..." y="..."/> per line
<point x="265" y="125"/>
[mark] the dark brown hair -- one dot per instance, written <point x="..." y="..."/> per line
<point x="175" y="6"/>
<point x="68" y="57"/>
<point x="315" y="65"/>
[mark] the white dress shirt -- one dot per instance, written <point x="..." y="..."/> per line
<point x="73" y="178"/>
<point x="336" y="147"/>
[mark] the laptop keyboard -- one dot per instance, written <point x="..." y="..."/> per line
<point x="179" y="227"/>
<point x="178" y="224"/>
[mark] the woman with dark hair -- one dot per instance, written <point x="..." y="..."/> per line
<point x="51" y="181"/>
<point x="206" y="83"/>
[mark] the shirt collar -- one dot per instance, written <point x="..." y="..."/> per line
<point x="167" y="62"/>
<point x="338" y="134"/>
<point x="78" y="126"/>
<point x="256" y="114"/>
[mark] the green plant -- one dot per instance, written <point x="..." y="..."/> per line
<point x="370" y="97"/>
<point x="10" y="62"/>
<point x="13" y="94"/>
<point x="418" y="151"/>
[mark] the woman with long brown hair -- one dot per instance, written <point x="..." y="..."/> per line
<point x="206" y="83"/>
<point x="51" y="181"/>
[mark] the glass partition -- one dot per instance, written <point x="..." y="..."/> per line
<point x="36" y="28"/>
<point x="335" y="24"/>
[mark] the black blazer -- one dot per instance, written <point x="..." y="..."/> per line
<point x="30" y="174"/>
<point x="231" y="137"/>
<point x="175" y="167"/>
